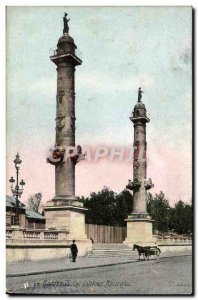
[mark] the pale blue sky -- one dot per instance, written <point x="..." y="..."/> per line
<point x="122" y="48"/>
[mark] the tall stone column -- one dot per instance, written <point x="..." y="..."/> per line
<point x="64" y="212"/>
<point x="65" y="119"/>
<point x="66" y="60"/>
<point x="139" y="223"/>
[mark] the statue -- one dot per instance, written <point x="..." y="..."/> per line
<point x="65" y="21"/>
<point x="140" y="94"/>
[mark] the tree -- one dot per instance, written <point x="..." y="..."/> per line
<point x="166" y="218"/>
<point x="124" y="207"/>
<point x="107" y="207"/>
<point x="158" y="208"/>
<point x="100" y="207"/>
<point x="181" y="218"/>
<point x="34" y="202"/>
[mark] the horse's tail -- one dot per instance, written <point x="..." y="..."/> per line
<point x="159" y="250"/>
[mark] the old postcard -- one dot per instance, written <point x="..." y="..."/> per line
<point x="99" y="150"/>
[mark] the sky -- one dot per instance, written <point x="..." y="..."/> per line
<point x="122" y="48"/>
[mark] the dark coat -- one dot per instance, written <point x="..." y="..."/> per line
<point x="74" y="249"/>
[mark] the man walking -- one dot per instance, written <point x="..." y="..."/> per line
<point x="74" y="251"/>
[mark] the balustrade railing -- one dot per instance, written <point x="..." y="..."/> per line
<point x="35" y="234"/>
<point x="41" y="234"/>
<point x="51" y="235"/>
<point x="78" y="53"/>
<point x="174" y="240"/>
<point x="8" y="233"/>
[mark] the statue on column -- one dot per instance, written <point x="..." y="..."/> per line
<point x="140" y="94"/>
<point x="65" y="21"/>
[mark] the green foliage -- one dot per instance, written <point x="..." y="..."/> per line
<point x="158" y="208"/>
<point x="181" y="218"/>
<point x="177" y="219"/>
<point x="107" y="207"/>
<point x="124" y="204"/>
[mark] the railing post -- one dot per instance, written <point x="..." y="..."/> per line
<point x="17" y="234"/>
<point x="9" y="234"/>
<point x="62" y="236"/>
<point x="42" y="235"/>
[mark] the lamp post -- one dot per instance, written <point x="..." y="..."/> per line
<point x="17" y="190"/>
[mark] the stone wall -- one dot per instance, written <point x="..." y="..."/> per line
<point x="174" y="243"/>
<point x="175" y="248"/>
<point x="35" y="250"/>
<point x="27" y="244"/>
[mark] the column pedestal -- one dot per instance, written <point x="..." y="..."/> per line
<point x="68" y="215"/>
<point x="139" y="230"/>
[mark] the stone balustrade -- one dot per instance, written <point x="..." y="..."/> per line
<point x="51" y="235"/>
<point x="31" y="235"/>
<point x="62" y="235"/>
<point x="173" y="240"/>
<point x="8" y="233"/>
<point x="35" y="234"/>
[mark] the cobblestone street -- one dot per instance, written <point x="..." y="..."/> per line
<point x="171" y="275"/>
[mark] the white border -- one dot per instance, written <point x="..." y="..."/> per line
<point x="2" y="90"/>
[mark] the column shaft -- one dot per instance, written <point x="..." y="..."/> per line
<point x="139" y="167"/>
<point x="65" y="127"/>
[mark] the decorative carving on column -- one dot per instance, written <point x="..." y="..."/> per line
<point x="56" y="155"/>
<point x="60" y="95"/>
<point x="139" y="223"/>
<point x="136" y="164"/>
<point x="139" y="185"/>
<point x="148" y="184"/>
<point x="60" y="122"/>
<point x="134" y="185"/>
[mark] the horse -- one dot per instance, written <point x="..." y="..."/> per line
<point x="147" y="251"/>
<point x="141" y="250"/>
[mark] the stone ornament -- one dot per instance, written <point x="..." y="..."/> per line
<point x="136" y="164"/>
<point x="56" y="155"/>
<point x="148" y="184"/>
<point x="60" y="95"/>
<point x="135" y="185"/>
<point x="60" y="122"/>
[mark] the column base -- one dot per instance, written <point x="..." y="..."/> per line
<point x="66" y="214"/>
<point x="65" y="201"/>
<point x="139" y="230"/>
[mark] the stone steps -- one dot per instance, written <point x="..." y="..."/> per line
<point x="105" y="255"/>
<point x="110" y="246"/>
<point x="111" y="250"/>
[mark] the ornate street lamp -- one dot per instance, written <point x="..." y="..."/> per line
<point x="17" y="190"/>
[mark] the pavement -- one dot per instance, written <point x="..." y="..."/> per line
<point x="167" y="276"/>
<point x="24" y="268"/>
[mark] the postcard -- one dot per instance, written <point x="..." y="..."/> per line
<point x="99" y="150"/>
